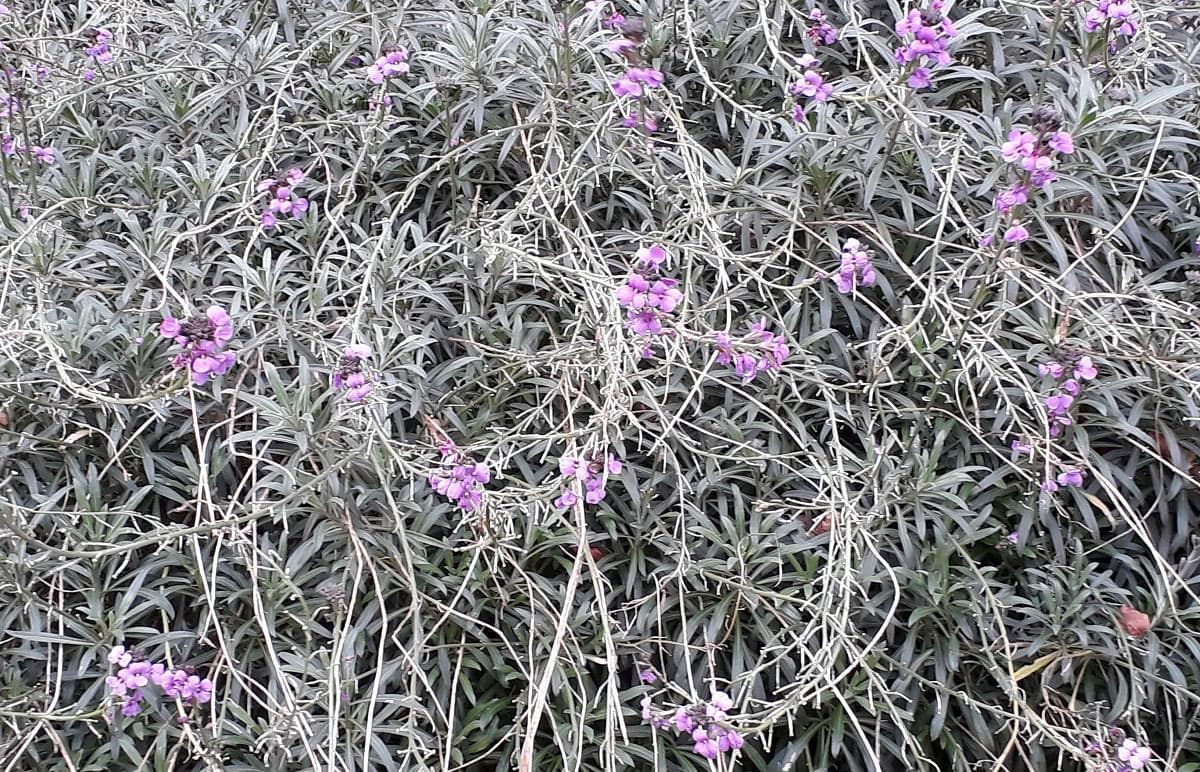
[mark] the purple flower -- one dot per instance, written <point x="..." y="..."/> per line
<point x="351" y="373"/>
<point x="630" y="84"/>
<point x="1020" y="144"/>
<point x="460" y="478"/>
<point x="757" y="351"/>
<point x="99" y="49"/>
<point x="1085" y="370"/>
<point x="621" y="45"/>
<point x="820" y="30"/>
<point x="627" y="87"/>
<point x="920" y="78"/>
<point x="648" y="298"/>
<point x="1015" y="196"/>
<point x="647" y="676"/>
<point x="856" y="268"/>
<point x="1072" y="478"/>
<point x="706" y="747"/>
<point x="652" y="256"/>
<point x="721" y="701"/>
<point x="394" y="62"/>
<point x="1062" y="142"/>
<point x="1016" y="233"/>
<point x="1059" y="403"/>
<point x="931" y="34"/>
<point x="283" y="199"/>
<point x="1013" y="537"/>
<point x="1071" y="386"/>
<point x="591" y="472"/>
<point x="202" y="338"/>
<point x="811" y="86"/>
<point x="1020" y="447"/>
<point x="1133" y="754"/>
<point x="1052" y="369"/>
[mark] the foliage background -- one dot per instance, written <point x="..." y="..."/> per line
<point x="286" y="544"/>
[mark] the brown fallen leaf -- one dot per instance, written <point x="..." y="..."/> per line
<point x="1133" y="621"/>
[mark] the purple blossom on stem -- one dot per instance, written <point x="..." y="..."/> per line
<point x="1016" y="233"/>
<point x="1052" y="369"/>
<point x="1015" y="196"/>
<point x="649" y="298"/>
<point x="930" y="33"/>
<point x="351" y="374"/>
<point x="1133" y="754"/>
<point x="632" y="82"/>
<point x="202" y="337"/>
<point x="856" y="269"/>
<point x="392" y="63"/>
<point x="1071" y="478"/>
<point x="819" y="28"/>
<point x="592" y="471"/>
<point x="99" y="50"/>
<point x="1117" y="15"/>
<point x="283" y="200"/>
<point x="706" y="725"/>
<point x="461" y="479"/>
<point x="811" y="86"/>
<point x="134" y="675"/>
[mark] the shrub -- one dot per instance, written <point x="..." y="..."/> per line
<point x="588" y="386"/>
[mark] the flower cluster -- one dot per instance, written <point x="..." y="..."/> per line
<point x="99" y="49"/>
<point x="351" y="375"/>
<point x="636" y="83"/>
<point x="9" y="147"/>
<point x="1111" y="14"/>
<point x="856" y="269"/>
<point x="931" y="33"/>
<point x="462" y="479"/>
<point x="1059" y="403"/>
<point x="819" y="28"/>
<point x="394" y="62"/>
<point x="757" y="351"/>
<point x="705" y="723"/>
<point x="202" y="337"/>
<point x="283" y="198"/>
<point x="592" y="472"/>
<point x="648" y="297"/>
<point x="134" y="675"/>
<point x="1133" y="754"/>
<point x="811" y="86"/>
<point x="1036" y="152"/>
<point x="1068" y="380"/>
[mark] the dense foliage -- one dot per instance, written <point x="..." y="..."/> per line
<point x="531" y="385"/>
